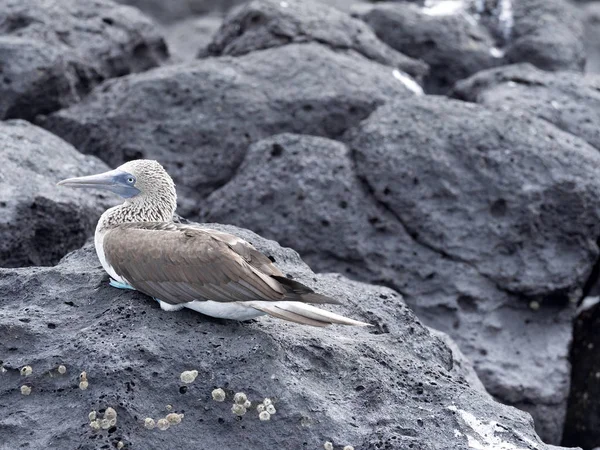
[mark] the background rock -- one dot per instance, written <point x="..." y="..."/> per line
<point x="583" y="424"/>
<point x="264" y="24"/>
<point x="462" y="218"/>
<point x="53" y="53"/>
<point x="453" y="45"/>
<point x="591" y="40"/>
<point x="40" y="222"/>
<point x="461" y="40"/>
<point x="548" y="34"/>
<point x="199" y="118"/>
<point x="337" y="384"/>
<point x="569" y="100"/>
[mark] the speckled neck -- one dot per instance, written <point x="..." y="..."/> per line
<point x="144" y="208"/>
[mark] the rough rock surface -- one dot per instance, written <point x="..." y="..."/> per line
<point x="337" y="384"/>
<point x="52" y="53"/>
<point x="453" y="45"/>
<point x="548" y="34"/>
<point x="471" y="36"/>
<point x="172" y="11"/>
<point x="592" y="37"/>
<point x="39" y="222"/>
<point x="261" y="24"/>
<point x="569" y="100"/>
<point x="583" y="418"/>
<point x="198" y="118"/>
<point x="477" y="222"/>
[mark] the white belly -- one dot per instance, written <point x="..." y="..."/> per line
<point x="234" y="310"/>
<point x="99" y="245"/>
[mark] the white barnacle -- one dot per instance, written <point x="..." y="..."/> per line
<point x="267" y="402"/>
<point x="110" y="413"/>
<point x="26" y="371"/>
<point x="238" y="409"/>
<point x="62" y="369"/>
<point x="188" y="376"/>
<point x="328" y="445"/>
<point x="92" y="416"/>
<point x="264" y="416"/>
<point x="271" y="409"/>
<point x="95" y="425"/>
<point x="149" y="423"/>
<point x="247" y="404"/>
<point x="163" y="424"/>
<point x="83" y="385"/>
<point x="260" y="408"/>
<point x="348" y="447"/>
<point x="174" y="418"/>
<point x="240" y="398"/>
<point x="218" y="395"/>
<point x="25" y="390"/>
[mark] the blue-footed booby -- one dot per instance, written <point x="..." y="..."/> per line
<point x="215" y="273"/>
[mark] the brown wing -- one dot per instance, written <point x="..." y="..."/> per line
<point x="181" y="263"/>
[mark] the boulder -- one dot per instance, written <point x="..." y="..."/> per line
<point x="468" y="212"/>
<point x="548" y="34"/>
<point x="262" y="24"/>
<point x="388" y="386"/>
<point x="185" y="37"/>
<point x="458" y="39"/>
<point x="454" y="45"/>
<point x="40" y="222"/>
<point x="53" y="52"/>
<point x="591" y="13"/>
<point x="583" y="418"/>
<point x="569" y="100"/>
<point x="198" y="118"/>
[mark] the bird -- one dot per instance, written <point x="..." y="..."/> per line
<point x="215" y="273"/>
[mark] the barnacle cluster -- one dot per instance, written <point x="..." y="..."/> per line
<point x="239" y="407"/>
<point x="188" y="376"/>
<point x="163" y="423"/>
<point x="266" y="409"/>
<point x="83" y="381"/>
<point x="108" y="420"/>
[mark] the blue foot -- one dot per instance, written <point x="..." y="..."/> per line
<point x="119" y="285"/>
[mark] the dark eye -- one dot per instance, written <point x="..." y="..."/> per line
<point x="130" y="180"/>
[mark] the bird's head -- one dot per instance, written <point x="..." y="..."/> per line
<point x="141" y="179"/>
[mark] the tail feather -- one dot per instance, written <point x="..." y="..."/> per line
<point x="303" y="313"/>
<point x="296" y="291"/>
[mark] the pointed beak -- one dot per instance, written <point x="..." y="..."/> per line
<point x="115" y="181"/>
<point x="100" y="181"/>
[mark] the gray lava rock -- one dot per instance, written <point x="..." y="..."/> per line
<point x="454" y="45"/>
<point x="569" y="100"/>
<point x="458" y="42"/>
<point x="548" y="34"/>
<point x="583" y="418"/>
<point x="171" y="11"/>
<point x="262" y="24"/>
<point x="40" y="222"/>
<point x="52" y="53"/>
<point x="199" y="118"/>
<point x="389" y="386"/>
<point x="591" y="14"/>
<point x="477" y="221"/>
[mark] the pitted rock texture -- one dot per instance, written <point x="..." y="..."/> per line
<point x="471" y="36"/>
<point x="53" y="52"/>
<point x="569" y="100"/>
<point x="40" y="222"/>
<point x="261" y="24"/>
<point x="477" y="221"/>
<point x="198" y="118"/>
<point x="337" y="384"/>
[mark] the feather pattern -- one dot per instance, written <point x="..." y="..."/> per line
<point x="181" y="263"/>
